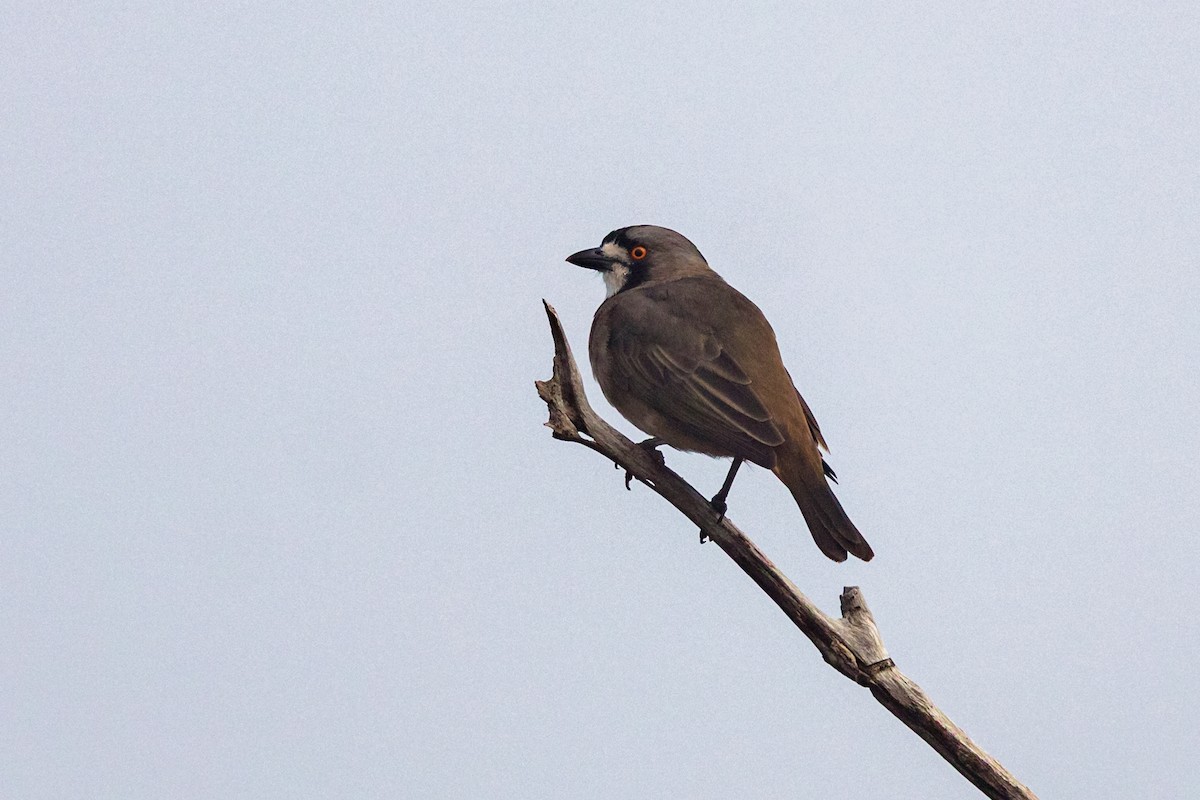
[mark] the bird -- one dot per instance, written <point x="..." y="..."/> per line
<point x="693" y="362"/>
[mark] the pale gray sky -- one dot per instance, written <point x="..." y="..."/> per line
<point x="278" y="517"/>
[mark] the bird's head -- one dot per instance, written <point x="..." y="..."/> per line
<point x="630" y="257"/>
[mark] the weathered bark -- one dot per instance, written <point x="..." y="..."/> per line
<point x="851" y="645"/>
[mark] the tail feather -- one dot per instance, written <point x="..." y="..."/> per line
<point x="831" y="528"/>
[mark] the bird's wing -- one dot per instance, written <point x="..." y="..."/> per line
<point x="679" y="367"/>
<point x="813" y="427"/>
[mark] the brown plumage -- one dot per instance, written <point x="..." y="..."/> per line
<point x="690" y="360"/>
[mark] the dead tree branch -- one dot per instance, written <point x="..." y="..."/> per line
<point x="851" y="645"/>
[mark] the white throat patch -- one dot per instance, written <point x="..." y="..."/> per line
<point x="615" y="278"/>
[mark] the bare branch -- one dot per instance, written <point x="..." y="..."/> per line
<point x="851" y="645"/>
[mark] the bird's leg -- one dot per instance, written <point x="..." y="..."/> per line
<point x="718" y="501"/>
<point x="650" y="446"/>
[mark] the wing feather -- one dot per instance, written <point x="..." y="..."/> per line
<point x="701" y="388"/>
<point x="684" y="349"/>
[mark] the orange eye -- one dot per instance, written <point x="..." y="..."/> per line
<point x="637" y="253"/>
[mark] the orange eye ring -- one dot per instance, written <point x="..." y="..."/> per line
<point x="637" y="253"/>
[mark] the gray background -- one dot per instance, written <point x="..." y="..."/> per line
<point x="279" y="518"/>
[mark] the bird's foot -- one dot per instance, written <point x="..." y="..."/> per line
<point x="718" y="505"/>
<point x="718" y="501"/>
<point x="651" y="446"/>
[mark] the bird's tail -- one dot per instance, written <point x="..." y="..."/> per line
<point x="832" y="529"/>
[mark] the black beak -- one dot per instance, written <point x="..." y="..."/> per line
<point x="592" y="259"/>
